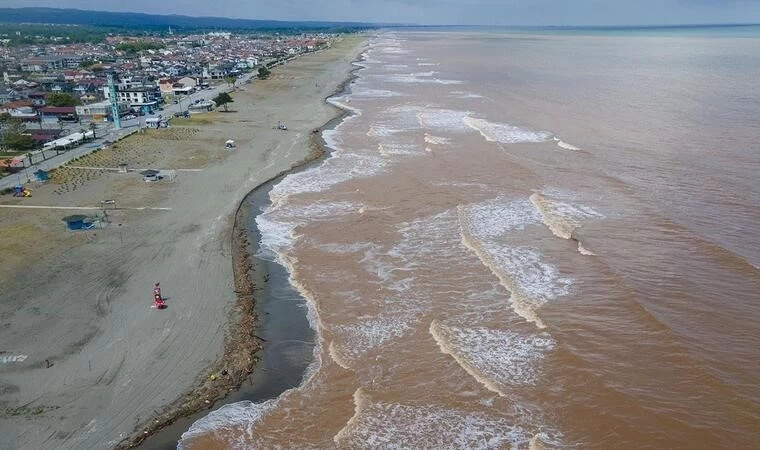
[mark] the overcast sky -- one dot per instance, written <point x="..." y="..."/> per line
<point x="455" y="12"/>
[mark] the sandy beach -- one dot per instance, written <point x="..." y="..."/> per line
<point x="84" y="360"/>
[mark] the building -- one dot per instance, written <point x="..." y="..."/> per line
<point x="8" y="95"/>
<point x="135" y="95"/>
<point x="100" y="111"/>
<point x="62" y="113"/>
<point x="38" y="98"/>
<point x="219" y="72"/>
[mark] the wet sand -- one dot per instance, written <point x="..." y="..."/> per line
<point x="92" y="362"/>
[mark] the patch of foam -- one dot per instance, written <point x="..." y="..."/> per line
<point x="505" y="133"/>
<point x="352" y="342"/>
<point x="584" y="251"/>
<point x="565" y="145"/>
<point x="277" y="225"/>
<point x="238" y="416"/>
<point x="495" y="358"/>
<point x="436" y="140"/>
<point x="427" y="64"/>
<point x="412" y="78"/>
<point x="465" y="94"/>
<point x="442" y="119"/>
<point x="493" y="218"/>
<point x="396" y="148"/>
<point x="343" y="103"/>
<point x="333" y="171"/>
<point x="376" y="93"/>
<point x="394" y="425"/>
<point x="560" y="217"/>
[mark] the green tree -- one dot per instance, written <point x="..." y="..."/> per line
<point x="264" y="73"/>
<point x="223" y="99"/>
<point x="15" y="137"/>
<point x="230" y="81"/>
<point x="93" y="127"/>
<point x="62" y="99"/>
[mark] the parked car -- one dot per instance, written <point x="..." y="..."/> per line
<point x="182" y="114"/>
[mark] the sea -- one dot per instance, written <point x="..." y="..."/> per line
<point x="525" y="240"/>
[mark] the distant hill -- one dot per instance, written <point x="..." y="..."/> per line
<point x="153" y="21"/>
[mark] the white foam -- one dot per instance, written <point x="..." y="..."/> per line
<point x="565" y="145"/>
<point x="425" y="64"/>
<point x="389" y="148"/>
<point x="505" y="133"/>
<point x="238" y="416"/>
<point x="531" y="281"/>
<point x="396" y="426"/>
<point x="277" y="225"/>
<point x="447" y="120"/>
<point x="412" y="78"/>
<point x="493" y="218"/>
<point x="496" y="358"/>
<point x="343" y="103"/>
<point x="352" y="342"/>
<point x="333" y="171"/>
<point x="560" y="217"/>
<point x="465" y="94"/>
<point x="436" y="140"/>
<point x="376" y="93"/>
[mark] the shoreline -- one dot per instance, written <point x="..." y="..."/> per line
<point x="240" y="356"/>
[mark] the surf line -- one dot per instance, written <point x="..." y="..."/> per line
<point x="154" y="432"/>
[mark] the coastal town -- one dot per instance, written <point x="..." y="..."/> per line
<point x="55" y="95"/>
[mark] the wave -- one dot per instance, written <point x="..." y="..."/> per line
<point x="413" y="78"/>
<point x="277" y="225"/>
<point x="436" y="140"/>
<point x="504" y="133"/>
<point x="563" y="218"/>
<point x="531" y="281"/>
<point x="446" y="120"/>
<point x="495" y="358"/>
<point x="465" y="94"/>
<point x="235" y="416"/>
<point x="396" y="425"/>
<point x="352" y="342"/>
<point x="376" y="93"/>
<point x="565" y="145"/>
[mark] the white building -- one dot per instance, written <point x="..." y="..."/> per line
<point x="135" y="95"/>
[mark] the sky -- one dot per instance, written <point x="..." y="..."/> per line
<point x="442" y="12"/>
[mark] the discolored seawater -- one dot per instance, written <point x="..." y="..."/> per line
<point x="524" y="241"/>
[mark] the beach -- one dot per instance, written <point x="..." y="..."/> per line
<point x="87" y="362"/>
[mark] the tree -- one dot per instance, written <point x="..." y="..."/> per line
<point x="93" y="127"/>
<point x="264" y="73"/>
<point x="230" y="81"/>
<point x="223" y="99"/>
<point x="62" y="99"/>
<point x="15" y="137"/>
